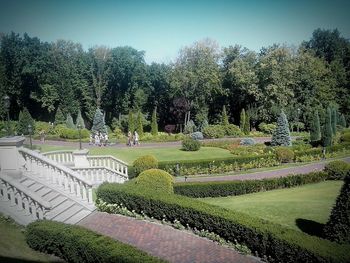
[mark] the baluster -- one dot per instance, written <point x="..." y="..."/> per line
<point x="19" y="200"/>
<point x="40" y="212"/>
<point x="72" y="181"/>
<point x="84" y="192"/>
<point x="66" y="181"/>
<point x="26" y="205"/>
<point x="12" y="196"/>
<point x="90" y="194"/>
<point x="126" y="171"/>
<point x="33" y="207"/>
<point x="59" y="176"/>
<point x="78" y="193"/>
<point x="113" y="164"/>
<point x="118" y="167"/>
<point x="4" y="190"/>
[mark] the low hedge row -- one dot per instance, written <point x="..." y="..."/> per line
<point x="77" y="244"/>
<point x="265" y="238"/>
<point x="216" y="189"/>
<point x="318" y="151"/>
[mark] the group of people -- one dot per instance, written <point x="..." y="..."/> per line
<point x="99" y="139"/>
<point x="133" y="139"/>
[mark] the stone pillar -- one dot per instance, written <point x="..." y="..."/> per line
<point x="80" y="158"/>
<point x="11" y="161"/>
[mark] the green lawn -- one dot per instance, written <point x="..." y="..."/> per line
<point x="13" y="247"/>
<point x="311" y="202"/>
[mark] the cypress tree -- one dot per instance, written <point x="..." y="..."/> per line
<point x="24" y="120"/>
<point x="69" y="122"/>
<point x="247" y="125"/>
<point x="315" y="129"/>
<point x="139" y="124"/>
<point x="154" y="125"/>
<point x="59" y="117"/>
<point x="342" y="121"/>
<point x="334" y="121"/>
<point x="327" y="134"/>
<point x="242" y="120"/>
<point x="80" y="120"/>
<point x="224" y="116"/>
<point x="131" y="122"/>
<point x="99" y="122"/>
<point x="281" y="135"/>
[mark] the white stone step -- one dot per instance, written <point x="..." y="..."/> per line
<point x="60" y="199"/>
<point x="68" y="213"/>
<point x="78" y="217"/>
<point x="36" y="187"/>
<point x="50" y="195"/>
<point x="60" y="209"/>
<point x="43" y="191"/>
<point x="27" y="182"/>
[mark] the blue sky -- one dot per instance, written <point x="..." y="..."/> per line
<point x="162" y="27"/>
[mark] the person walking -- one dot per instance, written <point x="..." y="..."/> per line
<point x="106" y="139"/>
<point x="91" y="139"/>
<point x="136" y="138"/>
<point x="129" y="138"/>
<point x="97" y="139"/>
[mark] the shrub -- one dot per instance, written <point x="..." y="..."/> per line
<point x="267" y="128"/>
<point x="281" y="135"/>
<point x="338" y="226"/>
<point x="232" y="130"/>
<point x="337" y="170"/>
<point x="197" y="136"/>
<point x="44" y="126"/>
<point x="189" y="144"/>
<point x="214" y="131"/>
<point x="327" y="133"/>
<point x="230" y="188"/>
<point x="247" y="141"/>
<point x="77" y="244"/>
<point x="69" y="122"/>
<point x="154" y="124"/>
<point x="80" y="121"/>
<point x="284" y="154"/>
<point x="59" y="117"/>
<point x="24" y="120"/>
<point x="118" y="133"/>
<point x="67" y="133"/>
<point x="154" y="180"/>
<point x="345" y="137"/>
<point x="144" y="163"/>
<point x="189" y="127"/>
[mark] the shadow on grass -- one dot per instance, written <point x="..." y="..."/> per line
<point x="309" y="227"/>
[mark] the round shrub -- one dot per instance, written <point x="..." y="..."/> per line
<point x="247" y="141"/>
<point x="155" y="180"/>
<point x="144" y="163"/>
<point x="345" y="137"/>
<point x="197" y="136"/>
<point x="214" y="131"/>
<point x="267" y="128"/>
<point x="232" y="130"/>
<point x="337" y="170"/>
<point x="284" y="154"/>
<point x="189" y="144"/>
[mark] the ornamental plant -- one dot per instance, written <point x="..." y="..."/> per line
<point x="144" y="163"/>
<point x="139" y="127"/>
<point x="154" y="124"/>
<point x="69" y="122"/>
<point x="131" y="122"/>
<point x="242" y="121"/>
<point x="327" y="134"/>
<point x="224" y="116"/>
<point x="281" y="135"/>
<point x="190" y="144"/>
<point x="80" y="120"/>
<point x="59" y="117"/>
<point x="24" y="120"/>
<point x="315" y="129"/>
<point x="99" y="122"/>
<point x="155" y="180"/>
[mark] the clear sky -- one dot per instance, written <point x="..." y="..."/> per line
<point x="162" y="27"/>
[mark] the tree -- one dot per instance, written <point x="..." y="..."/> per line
<point x="342" y="121"/>
<point x="242" y="120"/>
<point x="139" y="128"/>
<point x="24" y="120"/>
<point x="224" y="116"/>
<point x="59" y="117"/>
<point x="327" y="134"/>
<point x="80" y="120"/>
<point x="315" y="130"/>
<point x="69" y="122"/>
<point x="99" y="123"/>
<point x="154" y="125"/>
<point x="131" y="122"/>
<point x="281" y="136"/>
<point x="246" y="129"/>
<point x="334" y="120"/>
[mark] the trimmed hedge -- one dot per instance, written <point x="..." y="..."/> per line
<point x="155" y="179"/>
<point x="337" y="170"/>
<point x="284" y="154"/>
<point x="216" y="189"/>
<point x="318" y="151"/>
<point x="191" y="145"/>
<point x="77" y="244"/>
<point x="266" y="238"/>
<point x="144" y="163"/>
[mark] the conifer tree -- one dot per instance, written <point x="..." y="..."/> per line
<point x="99" y="123"/>
<point x="334" y="121"/>
<point x="242" y="120"/>
<point x="139" y="124"/>
<point x="342" y="121"/>
<point x="59" y="117"/>
<point x="246" y="128"/>
<point x="154" y="125"/>
<point x="327" y="134"/>
<point x="281" y="135"/>
<point x="24" y="120"/>
<point x="69" y="122"/>
<point x="80" y="120"/>
<point x="315" y="129"/>
<point x="131" y="122"/>
<point x="224" y="116"/>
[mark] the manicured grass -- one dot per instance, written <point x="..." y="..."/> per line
<point x="310" y="202"/>
<point x="13" y="247"/>
<point x="49" y="148"/>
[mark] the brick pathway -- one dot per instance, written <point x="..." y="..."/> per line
<point x="162" y="241"/>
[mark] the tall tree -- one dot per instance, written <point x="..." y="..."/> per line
<point x="281" y="136"/>
<point x="327" y="134"/>
<point x="24" y="120"/>
<point x="80" y="121"/>
<point x="131" y="122"/>
<point x="154" y="124"/>
<point x="99" y="123"/>
<point x="224" y="117"/>
<point x="242" y="120"/>
<point x="70" y="122"/>
<point x="59" y="117"/>
<point x="315" y="130"/>
<point x="139" y="127"/>
<point x="246" y="129"/>
<point x="334" y="120"/>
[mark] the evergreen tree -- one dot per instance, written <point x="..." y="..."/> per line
<point x="59" y="117"/>
<point x="224" y="116"/>
<point x="139" y="124"/>
<point x="342" y="121"/>
<point x="99" y="122"/>
<point x="80" y="120"/>
<point x="247" y="125"/>
<point x="315" y="130"/>
<point x="69" y="122"/>
<point x="23" y="121"/>
<point x="334" y="121"/>
<point x="154" y="125"/>
<point x="281" y="136"/>
<point x="327" y="134"/>
<point x="131" y="122"/>
<point x="242" y="120"/>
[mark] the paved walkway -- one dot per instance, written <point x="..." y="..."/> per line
<point x="162" y="241"/>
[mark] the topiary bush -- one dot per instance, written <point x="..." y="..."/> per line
<point x="214" y="131"/>
<point x="232" y="130"/>
<point x="284" y="154"/>
<point x="247" y="141"/>
<point x="191" y="145"/>
<point x="281" y="135"/>
<point x="197" y="136"/>
<point x="267" y="128"/>
<point x="338" y="226"/>
<point x="155" y="180"/>
<point x="144" y="163"/>
<point x="67" y="133"/>
<point x="337" y="170"/>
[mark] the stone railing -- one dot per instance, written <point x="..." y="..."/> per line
<point x="58" y="174"/>
<point x="60" y="156"/>
<point x="22" y="198"/>
<point x="98" y="175"/>
<point x="110" y="162"/>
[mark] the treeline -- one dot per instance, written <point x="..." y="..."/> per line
<point x="45" y="76"/>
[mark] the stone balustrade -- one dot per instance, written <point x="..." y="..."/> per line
<point x="60" y="156"/>
<point x="110" y="162"/>
<point x="58" y="174"/>
<point x="98" y="175"/>
<point x="22" y="198"/>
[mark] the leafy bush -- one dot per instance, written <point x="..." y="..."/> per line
<point x="345" y="137"/>
<point x="155" y="180"/>
<point x="232" y="130"/>
<point x="338" y="226"/>
<point x="214" y="131"/>
<point x="191" y="145"/>
<point x="144" y="163"/>
<point x="77" y="244"/>
<point x="197" y="136"/>
<point x="67" y="133"/>
<point x="247" y="141"/>
<point x="284" y="154"/>
<point x="118" y="133"/>
<point x="230" y="188"/>
<point x="267" y="128"/>
<point x="337" y="170"/>
<point x="189" y="127"/>
<point x="44" y="126"/>
<point x="266" y="238"/>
